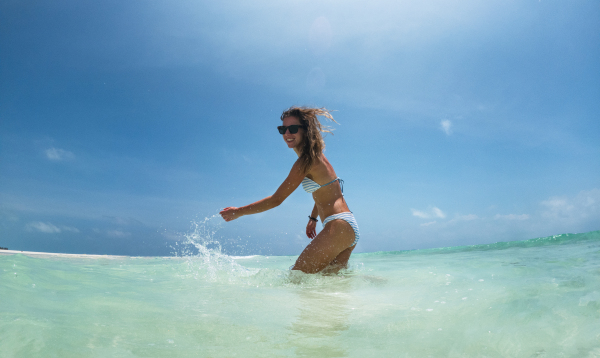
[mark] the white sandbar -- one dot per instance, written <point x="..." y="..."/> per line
<point x="56" y="254"/>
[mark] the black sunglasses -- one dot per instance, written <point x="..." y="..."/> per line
<point x="293" y="128"/>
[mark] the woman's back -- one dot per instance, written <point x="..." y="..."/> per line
<point x="329" y="198"/>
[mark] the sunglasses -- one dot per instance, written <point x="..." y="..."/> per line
<point x="293" y="128"/>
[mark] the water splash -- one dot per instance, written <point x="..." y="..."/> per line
<point x="202" y="236"/>
<point x="528" y="301"/>
<point x="204" y="255"/>
<point x="205" y="260"/>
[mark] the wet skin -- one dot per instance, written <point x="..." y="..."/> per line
<point x="330" y="249"/>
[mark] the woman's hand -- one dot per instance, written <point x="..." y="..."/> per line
<point x="229" y="213"/>
<point x="311" y="227"/>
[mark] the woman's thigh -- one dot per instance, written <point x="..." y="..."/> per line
<point x="332" y="241"/>
<point x="342" y="259"/>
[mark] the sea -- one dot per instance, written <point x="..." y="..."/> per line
<point x="532" y="298"/>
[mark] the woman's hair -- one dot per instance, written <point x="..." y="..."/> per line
<point x="313" y="143"/>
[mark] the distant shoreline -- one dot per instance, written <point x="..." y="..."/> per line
<point x="92" y="256"/>
<point x="56" y="254"/>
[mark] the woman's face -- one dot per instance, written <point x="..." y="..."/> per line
<point x="292" y="140"/>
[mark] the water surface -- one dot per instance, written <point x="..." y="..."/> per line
<point x="534" y="298"/>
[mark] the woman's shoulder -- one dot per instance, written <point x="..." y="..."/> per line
<point x="321" y="169"/>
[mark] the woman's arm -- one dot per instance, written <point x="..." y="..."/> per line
<point x="288" y="186"/>
<point x="315" y="212"/>
<point x="311" y="227"/>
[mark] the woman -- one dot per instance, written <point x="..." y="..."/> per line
<point x="332" y="247"/>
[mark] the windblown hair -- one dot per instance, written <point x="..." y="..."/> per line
<point x="313" y="144"/>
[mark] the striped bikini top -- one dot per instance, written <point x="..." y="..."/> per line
<point x="310" y="186"/>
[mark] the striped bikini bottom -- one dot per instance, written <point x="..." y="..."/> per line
<point x="349" y="218"/>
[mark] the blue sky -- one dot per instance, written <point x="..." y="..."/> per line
<point x="461" y="122"/>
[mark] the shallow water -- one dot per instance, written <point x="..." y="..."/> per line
<point x="534" y="298"/>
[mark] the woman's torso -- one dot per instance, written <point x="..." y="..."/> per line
<point x="329" y="199"/>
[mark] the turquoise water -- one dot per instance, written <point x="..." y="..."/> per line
<point x="534" y="298"/>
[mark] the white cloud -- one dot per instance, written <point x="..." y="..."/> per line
<point x="438" y="213"/>
<point x="558" y="206"/>
<point x="57" y="154"/>
<point x="511" y="217"/>
<point x="49" y="228"/>
<point x="420" y="214"/>
<point x="429" y="223"/>
<point x="46" y="228"/>
<point x="446" y="126"/>
<point x="432" y="213"/>
<point x="69" y="228"/>
<point x="584" y="206"/>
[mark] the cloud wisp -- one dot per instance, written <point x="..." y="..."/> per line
<point x="584" y="206"/>
<point x="431" y="213"/>
<point x="57" y="154"/>
<point x="446" y="126"/>
<point x="49" y="228"/>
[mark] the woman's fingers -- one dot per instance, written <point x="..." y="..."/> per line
<point x="311" y="232"/>
<point x="228" y="213"/>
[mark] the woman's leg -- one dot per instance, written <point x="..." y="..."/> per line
<point x="340" y="262"/>
<point x="331" y="243"/>
<point x="342" y="259"/>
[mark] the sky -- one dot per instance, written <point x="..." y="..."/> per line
<point x="124" y="124"/>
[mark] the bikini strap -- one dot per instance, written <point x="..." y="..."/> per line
<point x="340" y="180"/>
<point x="342" y="187"/>
<point x="331" y="182"/>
